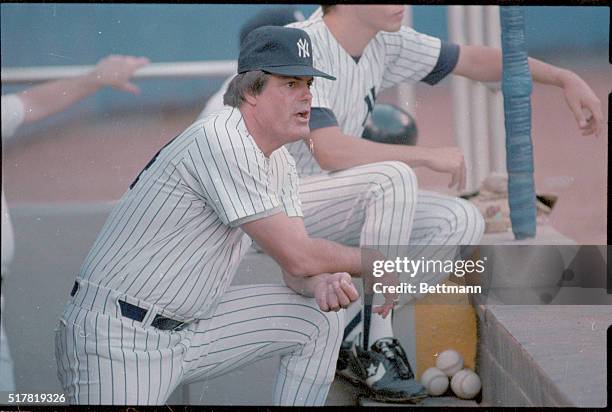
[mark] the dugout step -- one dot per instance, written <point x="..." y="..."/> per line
<point x="343" y="393"/>
<point x="436" y="402"/>
<point x="545" y="235"/>
<point x="545" y="355"/>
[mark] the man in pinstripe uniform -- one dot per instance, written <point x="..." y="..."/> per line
<point x="352" y="207"/>
<point x="368" y="50"/>
<point x="152" y="306"/>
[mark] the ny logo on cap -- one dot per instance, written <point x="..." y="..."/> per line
<point x="303" y="48"/>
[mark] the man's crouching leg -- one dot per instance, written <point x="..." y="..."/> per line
<point x="305" y="375"/>
<point x="254" y="322"/>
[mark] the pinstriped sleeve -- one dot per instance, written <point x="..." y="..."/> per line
<point x="232" y="177"/>
<point x="409" y="56"/>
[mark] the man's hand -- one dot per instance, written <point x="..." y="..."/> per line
<point x="580" y="98"/>
<point x="55" y="96"/>
<point x="447" y="160"/>
<point x="334" y="291"/>
<point x="370" y="256"/>
<point x="388" y="279"/>
<point x="116" y="70"/>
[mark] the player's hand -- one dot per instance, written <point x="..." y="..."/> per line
<point x="335" y="291"/>
<point x="391" y="299"/>
<point x="115" y="71"/>
<point x="387" y="279"/>
<point x="584" y="104"/>
<point x="448" y="160"/>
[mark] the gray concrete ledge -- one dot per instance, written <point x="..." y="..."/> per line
<point x="545" y="235"/>
<point x="544" y="355"/>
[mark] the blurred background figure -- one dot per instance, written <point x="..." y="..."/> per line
<point x="37" y="103"/>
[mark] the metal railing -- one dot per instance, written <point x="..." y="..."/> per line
<point x="211" y="68"/>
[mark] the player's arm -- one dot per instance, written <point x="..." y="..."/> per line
<point x="54" y="96"/>
<point x="287" y="242"/>
<point x="484" y="64"/>
<point x="335" y="150"/>
<point x="310" y="266"/>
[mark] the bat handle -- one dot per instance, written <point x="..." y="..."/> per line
<point x="367" y="316"/>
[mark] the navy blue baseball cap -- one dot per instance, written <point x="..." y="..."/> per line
<point x="278" y="50"/>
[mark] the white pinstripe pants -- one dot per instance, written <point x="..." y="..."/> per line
<point x="379" y="204"/>
<point x="104" y="358"/>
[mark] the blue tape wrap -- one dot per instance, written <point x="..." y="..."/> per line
<point x="516" y="88"/>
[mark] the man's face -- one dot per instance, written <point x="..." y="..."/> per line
<point x="381" y="17"/>
<point x="283" y="106"/>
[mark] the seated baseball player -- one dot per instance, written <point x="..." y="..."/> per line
<point x="152" y="306"/>
<point x="366" y="48"/>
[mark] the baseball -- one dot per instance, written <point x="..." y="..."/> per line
<point x="449" y="362"/>
<point x="466" y="384"/>
<point x="435" y="381"/>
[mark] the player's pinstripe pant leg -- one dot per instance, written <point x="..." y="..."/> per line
<point x="379" y="204"/>
<point x="372" y="204"/>
<point x="440" y="222"/>
<point x="259" y="321"/>
<point x="104" y="358"/>
<point x="445" y="220"/>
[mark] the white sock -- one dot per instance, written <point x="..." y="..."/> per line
<point x="380" y="328"/>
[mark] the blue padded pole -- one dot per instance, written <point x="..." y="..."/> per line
<point x="516" y="88"/>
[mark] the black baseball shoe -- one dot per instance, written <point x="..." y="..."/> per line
<point x="383" y="370"/>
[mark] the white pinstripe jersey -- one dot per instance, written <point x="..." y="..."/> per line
<point x="173" y="239"/>
<point x="389" y="58"/>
